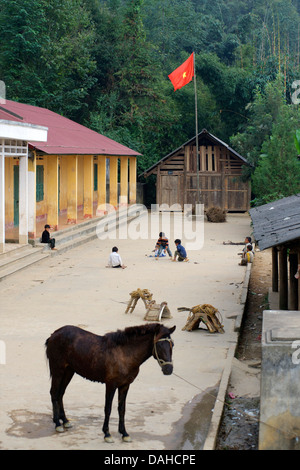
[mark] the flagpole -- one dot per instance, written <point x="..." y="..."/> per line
<point x="197" y="143"/>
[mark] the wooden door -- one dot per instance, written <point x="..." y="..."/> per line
<point x="170" y="190"/>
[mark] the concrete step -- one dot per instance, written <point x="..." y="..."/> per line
<point x="12" y="249"/>
<point x="73" y="243"/>
<point x="71" y="237"/>
<point x="19" y="254"/>
<point x="23" y="262"/>
<point x="87" y="231"/>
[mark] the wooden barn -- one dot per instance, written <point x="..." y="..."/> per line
<point x="219" y="175"/>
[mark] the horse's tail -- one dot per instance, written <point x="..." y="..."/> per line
<point x="46" y="351"/>
<point x="46" y="345"/>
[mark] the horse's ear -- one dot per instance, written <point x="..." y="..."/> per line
<point x="171" y="330"/>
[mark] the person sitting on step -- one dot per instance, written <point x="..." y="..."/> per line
<point x="46" y="237"/>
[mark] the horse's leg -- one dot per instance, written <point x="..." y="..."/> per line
<point x="122" y="391"/>
<point x="109" y="396"/>
<point x="54" y="392"/>
<point x="64" y="383"/>
<point x="58" y="387"/>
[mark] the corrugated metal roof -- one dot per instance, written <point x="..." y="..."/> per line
<point x="277" y="223"/>
<point x="65" y="137"/>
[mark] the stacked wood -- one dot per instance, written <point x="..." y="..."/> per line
<point x="205" y="313"/>
<point x="154" y="311"/>
<point x="143" y="294"/>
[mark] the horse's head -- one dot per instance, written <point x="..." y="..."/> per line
<point x="163" y="348"/>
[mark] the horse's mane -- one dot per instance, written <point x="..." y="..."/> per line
<point x="122" y="337"/>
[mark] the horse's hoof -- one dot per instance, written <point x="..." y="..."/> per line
<point x="68" y="425"/>
<point x="126" y="439"/>
<point x="59" y="429"/>
<point x="108" y="439"/>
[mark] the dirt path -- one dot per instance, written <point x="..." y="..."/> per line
<point x="239" y="429"/>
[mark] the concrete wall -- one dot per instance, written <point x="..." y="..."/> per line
<point x="280" y="381"/>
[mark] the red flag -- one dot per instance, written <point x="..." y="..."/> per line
<point x="183" y="74"/>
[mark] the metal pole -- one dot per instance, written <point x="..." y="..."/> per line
<point x="197" y="144"/>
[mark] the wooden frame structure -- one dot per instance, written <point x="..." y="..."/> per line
<point x="277" y="226"/>
<point x="220" y="171"/>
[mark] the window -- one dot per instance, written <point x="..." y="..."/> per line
<point x="208" y="158"/>
<point x="39" y="183"/>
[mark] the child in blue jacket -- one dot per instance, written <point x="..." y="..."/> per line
<point x="180" y="251"/>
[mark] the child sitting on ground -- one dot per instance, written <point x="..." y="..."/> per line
<point x="248" y="257"/>
<point x="248" y="241"/>
<point x="180" y="251"/>
<point x="115" y="260"/>
<point x="162" y="245"/>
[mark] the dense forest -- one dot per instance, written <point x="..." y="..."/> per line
<point x="105" y="64"/>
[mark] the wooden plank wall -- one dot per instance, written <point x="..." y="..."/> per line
<point x="219" y="178"/>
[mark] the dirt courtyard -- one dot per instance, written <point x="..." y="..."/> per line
<point x="76" y="288"/>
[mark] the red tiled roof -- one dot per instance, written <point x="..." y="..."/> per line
<point x="65" y="137"/>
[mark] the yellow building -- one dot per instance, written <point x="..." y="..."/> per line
<point x="71" y="176"/>
<point x="14" y="137"/>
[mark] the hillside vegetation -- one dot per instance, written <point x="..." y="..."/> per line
<point x="105" y="64"/>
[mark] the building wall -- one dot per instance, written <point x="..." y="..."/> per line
<point x="65" y="174"/>
<point x="220" y="182"/>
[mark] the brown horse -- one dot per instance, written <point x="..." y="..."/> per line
<point x="113" y="359"/>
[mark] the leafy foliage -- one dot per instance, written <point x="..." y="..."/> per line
<point x="277" y="174"/>
<point x="105" y="64"/>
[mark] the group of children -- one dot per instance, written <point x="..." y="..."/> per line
<point x="248" y="253"/>
<point x="161" y="248"/>
<point x="115" y="260"/>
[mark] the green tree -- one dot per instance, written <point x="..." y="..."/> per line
<point x="137" y="109"/>
<point x="69" y="65"/>
<point x="23" y="29"/>
<point x="278" y="171"/>
<point x="297" y="141"/>
<point x="45" y="57"/>
<point x="262" y="113"/>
